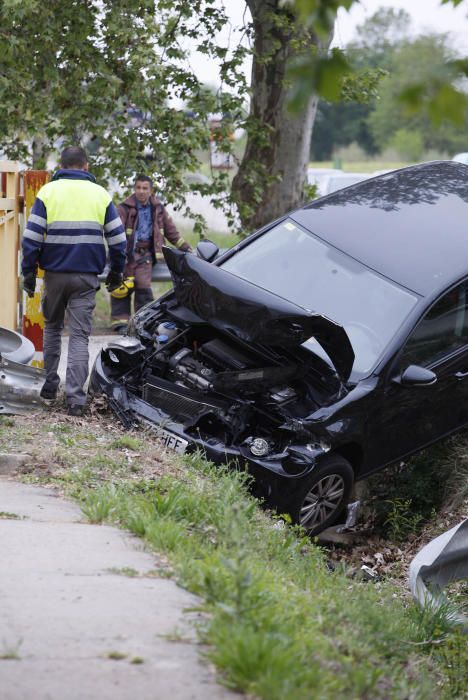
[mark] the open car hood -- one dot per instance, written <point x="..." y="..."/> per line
<point x="235" y="306"/>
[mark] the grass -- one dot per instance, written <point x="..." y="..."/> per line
<point x="408" y="496"/>
<point x="137" y="660"/>
<point x="289" y="628"/>
<point x="10" y="652"/>
<point x="116" y="655"/>
<point x="279" y="623"/>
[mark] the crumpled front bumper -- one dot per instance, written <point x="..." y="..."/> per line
<point x="277" y="478"/>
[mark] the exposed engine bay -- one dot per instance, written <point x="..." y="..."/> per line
<point x="223" y="366"/>
<point x="219" y="387"/>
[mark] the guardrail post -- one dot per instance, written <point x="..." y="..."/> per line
<point x="9" y="243"/>
<point x="33" y="319"/>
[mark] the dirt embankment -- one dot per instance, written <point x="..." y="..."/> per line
<point x="55" y="448"/>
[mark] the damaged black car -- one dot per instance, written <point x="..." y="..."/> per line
<point x="320" y="349"/>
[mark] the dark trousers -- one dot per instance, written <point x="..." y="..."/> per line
<point x="141" y="268"/>
<point x="74" y="293"/>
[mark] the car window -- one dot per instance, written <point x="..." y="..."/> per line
<point x="442" y="330"/>
<point x="296" y="265"/>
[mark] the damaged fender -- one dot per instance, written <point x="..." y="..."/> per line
<point x="20" y="386"/>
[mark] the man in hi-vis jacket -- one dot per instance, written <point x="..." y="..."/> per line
<point x="70" y="220"/>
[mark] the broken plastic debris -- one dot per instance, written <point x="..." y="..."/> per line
<point x="443" y="560"/>
<point x="369" y="574"/>
<point x="352" y="514"/>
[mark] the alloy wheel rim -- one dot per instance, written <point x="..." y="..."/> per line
<point x="321" y="501"/>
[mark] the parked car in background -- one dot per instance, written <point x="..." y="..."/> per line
<point x="322" y="348"/>
<point x="328" y="180"/>
<point x="317" y="177"/>
<point x="461" y="158"/>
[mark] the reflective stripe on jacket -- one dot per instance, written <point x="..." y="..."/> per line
<point x="69" y="221"/>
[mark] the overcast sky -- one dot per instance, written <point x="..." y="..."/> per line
<point x="427" y="15"/>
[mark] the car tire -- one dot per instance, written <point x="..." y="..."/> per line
<point x="323" y="495"/>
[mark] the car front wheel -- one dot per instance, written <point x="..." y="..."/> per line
<point x="324" y="495"/>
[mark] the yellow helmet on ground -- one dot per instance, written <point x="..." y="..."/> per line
<point x="126" y="288"/>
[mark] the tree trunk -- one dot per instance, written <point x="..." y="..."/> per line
<point x="272" y="175"/>
<point x="39" y="153"/>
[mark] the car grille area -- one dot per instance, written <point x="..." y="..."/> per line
<point x="179" y="402"/>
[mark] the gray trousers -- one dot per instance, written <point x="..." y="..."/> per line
<point x="75" y="293"/>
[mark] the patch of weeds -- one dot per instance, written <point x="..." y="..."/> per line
<point x="457" y="592"/>
<point x="124" y="571"/>
<point x="10" y="652"/>
<point x="166" y="534"/>
<point x="5" y="515"/>
<point x="162" y="572"/>
<point x="406" y="496"/>
<point x="100" y="504"/>
<point x="12" y="435"/>
<point x="175" y="635"/>
<point x="103" y="461"/>
<point x="401" y="519"/>
<point x="445" y="641"/>
<point x="137" y="660"/>
<point x="271" y="600"/>
<point x="279" y="623"/>
<point x="116" y="655"/>
<point x="6" y="422"/>
<point x="453" y="654"/>
<point x="78" y="482"/>
<point x="433" y="621"/>
<point x="62" y="428"/>
<point x="67" y="440"/>
<point x="129" y="442"/>
<point x="456" y="467"/>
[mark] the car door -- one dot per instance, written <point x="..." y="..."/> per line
<point x="407" y="417"/>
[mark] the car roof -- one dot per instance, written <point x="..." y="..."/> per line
<point x="410" y="225"/>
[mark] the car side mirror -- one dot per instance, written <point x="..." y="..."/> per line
<point x="414" y="375"/>
<point x="207" y="250"/>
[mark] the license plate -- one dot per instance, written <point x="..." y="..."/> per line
<point x="171" y="441"/>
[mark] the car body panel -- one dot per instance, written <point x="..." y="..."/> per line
<point x="20" y="387"/>
<point x="398" y="224"/>
<point x="15" y="347"/>
<point x="250" y="312"/>
<point x="20" y="384"/>
<point x="234" y="380"/>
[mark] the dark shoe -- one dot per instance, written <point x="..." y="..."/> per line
<point x="76" y="410"/>
<point x="48" y="394"/>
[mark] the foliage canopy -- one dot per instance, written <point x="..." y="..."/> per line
<point x="115" y="74"/>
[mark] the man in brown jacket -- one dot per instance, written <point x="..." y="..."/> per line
<point x="146" y="222"/>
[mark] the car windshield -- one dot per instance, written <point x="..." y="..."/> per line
<point x="295" y="265"/>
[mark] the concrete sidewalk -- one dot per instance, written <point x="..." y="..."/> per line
<point x="73" y="626"/>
